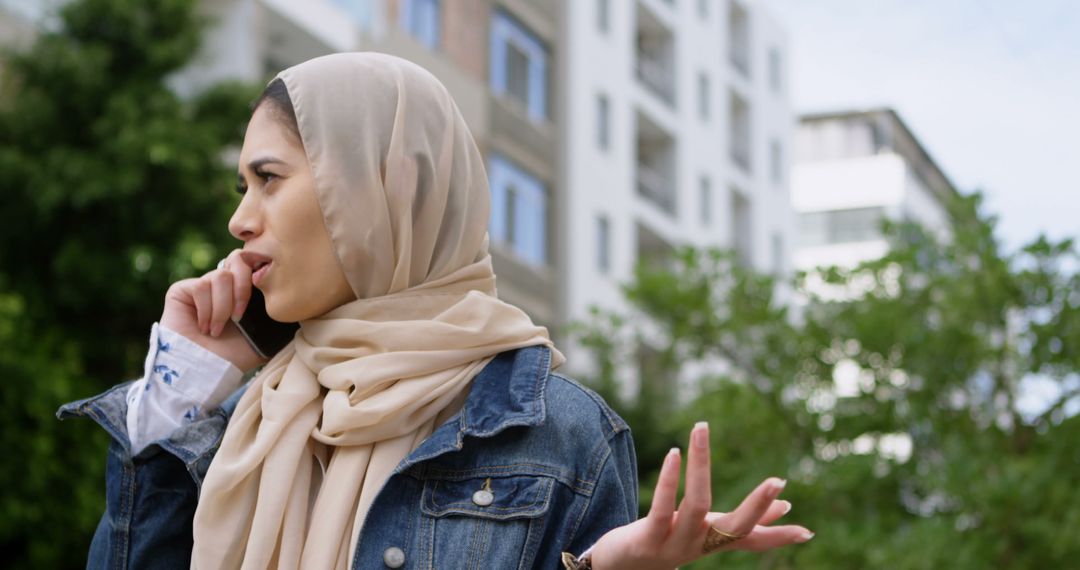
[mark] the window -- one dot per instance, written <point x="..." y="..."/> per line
<point x="776" y="162"/>
<point x="840" y="226"/>
<point x="706" y="201"/>
<point x="518" y="65"/>
<point x="703" y="95"/>
<point x="778" y="253"/>
<point x="603" y="122"/>
<point x="739" y="134"/>
<point x="603" y="15"/>
<point x="775" y="71"/>
<point x="363" y="12"/>
<point x="739" y="39"/>
<point x="603" y="244"/>
<point x="420" y="18"/>
<point x="518" y="210"/>
<point x="741" y="224"/>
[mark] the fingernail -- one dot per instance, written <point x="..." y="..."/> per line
<point x="701" y="435"/>
<point x="778" y="485"/>
<point x="806" y="536"/>
<point x="216" y="330"/>
<point x="787" y="507"/>
<point x="672" y="456"/>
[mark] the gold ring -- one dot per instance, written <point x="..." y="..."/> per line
<point x="718" y="538"/>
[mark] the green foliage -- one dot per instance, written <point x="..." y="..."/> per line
<point x="114" y="187"/>
<point x="892" y="399"/>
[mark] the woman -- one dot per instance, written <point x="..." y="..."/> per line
<point x="414" y="420"/>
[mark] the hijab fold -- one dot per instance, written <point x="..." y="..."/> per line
<point x="404" y="195"/>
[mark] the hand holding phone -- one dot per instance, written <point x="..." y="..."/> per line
<point x="211" y="311"/>
<point x="264" y="334"/>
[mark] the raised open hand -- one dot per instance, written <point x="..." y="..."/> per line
<point x="667" y="537"/>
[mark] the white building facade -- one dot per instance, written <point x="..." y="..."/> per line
<point x="678" y="130"/>
<point x="853" y="169"/>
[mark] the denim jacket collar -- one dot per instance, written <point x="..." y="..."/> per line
<point x="509" y="391"/>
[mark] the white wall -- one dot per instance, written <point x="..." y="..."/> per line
<point x="600" y="181"/>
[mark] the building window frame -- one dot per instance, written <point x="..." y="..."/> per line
<point x="507" y="34"/>
<point x="603" y="244"/>
<point x="706" y="200"/>
<point x="776" y="71"/>
<point x="776" y="161"/>
<point x="704" y="89"/>
<point x="422" y="19"/>
<point x="603" y="15"/>
<point x="519" y="210"/>
<point x="603" y="121"/>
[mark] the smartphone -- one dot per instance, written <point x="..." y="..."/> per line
<point x="264" y="334"/>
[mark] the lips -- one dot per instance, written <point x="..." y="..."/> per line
<point x="258" y="263"/>
<point x="255" y="260"/>
<point x="260" y="273"/>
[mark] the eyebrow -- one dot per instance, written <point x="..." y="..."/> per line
<point x="254" y="164"/>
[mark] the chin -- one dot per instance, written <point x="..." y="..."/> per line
<point x="276" y="312"/>
<point x="285" y="312"/>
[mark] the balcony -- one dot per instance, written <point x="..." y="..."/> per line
<point x="654" y="187"/>
<point x="654" y="62"/>
<point x="656" y="77"/>
<point x="655" y="164"/>
<point x="739" y="137"/>
<point x="739" y="39"/>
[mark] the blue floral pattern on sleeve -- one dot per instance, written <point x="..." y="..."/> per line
<point x="168" y="375"/>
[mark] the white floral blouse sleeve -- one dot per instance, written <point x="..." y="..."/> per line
<point x="180" y="381"/>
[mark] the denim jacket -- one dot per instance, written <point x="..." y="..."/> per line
<point x="558" y="462"/>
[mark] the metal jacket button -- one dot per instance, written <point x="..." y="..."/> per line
<point x="394" y="557"/>
<point x="484" y="496"/>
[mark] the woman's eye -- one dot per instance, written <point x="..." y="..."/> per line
<point x="265" y="176"/>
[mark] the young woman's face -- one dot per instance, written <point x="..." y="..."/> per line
<point x="279" y="217"/>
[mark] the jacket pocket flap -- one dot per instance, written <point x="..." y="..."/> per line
<point x="508" y="497"/>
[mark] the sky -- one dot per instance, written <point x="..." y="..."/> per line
<point x="990" y="87"/>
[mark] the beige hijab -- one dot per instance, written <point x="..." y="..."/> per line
<point x="405" y="197"/>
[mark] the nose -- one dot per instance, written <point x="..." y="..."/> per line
<point x="245" y="222"/>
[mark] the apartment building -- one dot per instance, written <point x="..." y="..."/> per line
<point x="613" y="130"/>
<point x="852" y="169"/>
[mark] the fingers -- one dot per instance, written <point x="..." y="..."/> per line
<point x="663" y="502"/>
<point x="221" y="296"/>
<point x="769" y="537"/>
<point x="241" y="283"/>
<point x="697" y="497"/>
<point x="753" y="508"/>
<point x="776" y="510"/>
<point x="200" y="294"/>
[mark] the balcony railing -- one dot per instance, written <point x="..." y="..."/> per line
<point x="657" y="77"/>
<point x="740" y="59"/>
<point x="656" y="188"/>
<point x="740" y="155"/>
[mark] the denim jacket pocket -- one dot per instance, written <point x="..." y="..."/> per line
<point x="483" y="522"/>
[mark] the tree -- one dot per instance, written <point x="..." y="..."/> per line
<point x="113" y="188"/>
<point x="930" y="454"/>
